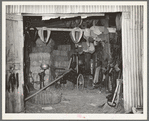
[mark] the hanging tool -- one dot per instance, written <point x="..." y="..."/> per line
<point x="116" y="93"/>
<point x="12" y="80"/>
<point x="17" y="79"/>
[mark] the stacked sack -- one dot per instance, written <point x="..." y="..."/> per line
<point x="42" y="47"/>
<point x="61" y="59"/>
<point x="36" y="59"/>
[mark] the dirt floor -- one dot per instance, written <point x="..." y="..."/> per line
<point x="77" y="101"/>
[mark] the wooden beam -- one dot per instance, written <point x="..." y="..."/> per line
<point x="63" y="14"/>
<point x="111" y="30"/>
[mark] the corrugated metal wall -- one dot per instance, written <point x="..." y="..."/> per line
<point x="64" y="8"/>
<point x="132" y="41"/>
<point x="132" y="36"/>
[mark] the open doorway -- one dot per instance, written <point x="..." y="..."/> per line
<point x="95" y="55"/>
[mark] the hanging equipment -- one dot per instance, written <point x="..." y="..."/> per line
<point x="76" y="35"/>
<point x="11" y="82"/>
<point x="32" y="33"/>
<point x="17" y="79"/>
<point x="41" y="34"/>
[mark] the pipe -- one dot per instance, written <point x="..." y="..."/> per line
<point x="47" y="85"/>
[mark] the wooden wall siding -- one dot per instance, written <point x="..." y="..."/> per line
<point x="14" y="52"/>
<point x="132" y="41"/>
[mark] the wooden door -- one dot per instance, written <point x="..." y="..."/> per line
<point x="14" y="101"/>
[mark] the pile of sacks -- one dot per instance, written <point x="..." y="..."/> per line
<point x="36" y="59"/>
<point x="42" y="47"/>
<point x="61" y="58"/>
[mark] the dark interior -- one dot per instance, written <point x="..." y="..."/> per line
<point x="61" y="41"/>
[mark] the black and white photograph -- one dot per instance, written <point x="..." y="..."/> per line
<point x="74" y="60"/>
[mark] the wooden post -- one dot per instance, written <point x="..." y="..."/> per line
<point x="14" y="53"/>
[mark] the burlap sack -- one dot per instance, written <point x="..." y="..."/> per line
<point x="64" y="53"/>
<point x="56" y="52"/>
<point x="61" y="58"/>
<point x="64" y="47"/>
<point x="45" y="49"/>
<point x="39" y="56"/>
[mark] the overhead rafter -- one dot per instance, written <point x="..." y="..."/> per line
<point x="111" y="30"/>
<point x="63" y="15"/>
